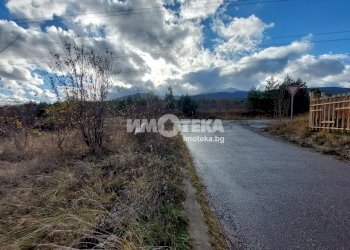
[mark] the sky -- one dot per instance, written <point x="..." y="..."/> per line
<point x="195" y="46"/>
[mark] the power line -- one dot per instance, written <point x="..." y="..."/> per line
<point x="270" y="38"/>
<point x="53" y="60"/>
<point x="246" y="3"/>
<point x="168" y="47"/>
<point x="170" y="53"/>
<point x="311" y="41"/>
<point x="133" y="11"/>
<point x="87" y="49"/>
<point x="262" y="45"/>
<point x="9" y="45"/>
<point x="314" y="34"/>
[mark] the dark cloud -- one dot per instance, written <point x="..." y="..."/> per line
<point x="324" y="67"/>
<point x="205" y="79"/>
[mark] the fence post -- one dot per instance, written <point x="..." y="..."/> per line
<point x="311" y="121"/>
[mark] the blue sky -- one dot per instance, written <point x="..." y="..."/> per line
<point x="194" y="45"/>
<point x="305" y="17"/>
<point x="4" y="13"/>
<point x="297" y="18"/>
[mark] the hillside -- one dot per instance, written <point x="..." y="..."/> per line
<point x="223" y="95"/>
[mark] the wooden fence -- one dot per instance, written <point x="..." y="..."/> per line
<point x="331" y="113"/>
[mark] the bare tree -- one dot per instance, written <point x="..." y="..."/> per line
<point x="281" y="104"/>
<point x="271" y="84"/>
<point x="276" y="92"/>
<point x="83" y="79"/>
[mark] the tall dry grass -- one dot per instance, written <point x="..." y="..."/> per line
<point x="334" y="143"/>
<point x="129" y="199"/>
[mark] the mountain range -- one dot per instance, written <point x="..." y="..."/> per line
<point x="234" y="94"/>
<point x="240" y="95"/>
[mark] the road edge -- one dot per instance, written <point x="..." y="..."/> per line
<point x="217" y="237"/>
<point x="198" y="229"/>
<point x="264" y="132"/>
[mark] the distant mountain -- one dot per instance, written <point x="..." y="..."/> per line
<point x="334" y="90"/>
<point x="233" y="94"/>
<point x="227" y="90"/>
<point x="238" y="95"/>
<point x="135" y="96"/>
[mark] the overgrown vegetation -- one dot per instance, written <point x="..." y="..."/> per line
<point x="56" y="192"/>
<point x="70" y="175"/>
<point x="130" y="199"/>
<point x="82" y="79"/>
<point x="333" y="143"/>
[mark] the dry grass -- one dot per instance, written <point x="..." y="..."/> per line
<point x="132" y="198"/>
<point x="43" y="144"/>
<point x="46" y="202"/>
<point x="333" y="143"/>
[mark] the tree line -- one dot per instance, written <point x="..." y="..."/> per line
<point x="275" y="99"/>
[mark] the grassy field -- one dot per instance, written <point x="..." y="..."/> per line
<point x="333" y="143"/>
<point x="129" y="199"/>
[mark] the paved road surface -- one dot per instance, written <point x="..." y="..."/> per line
<point x="274" y="195"/>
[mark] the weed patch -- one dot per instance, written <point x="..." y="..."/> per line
<point x="132" y="198"/>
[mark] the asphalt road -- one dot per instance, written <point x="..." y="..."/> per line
<point x="273" y="195"/>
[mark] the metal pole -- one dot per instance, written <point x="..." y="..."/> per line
<point x="292" y="106"/>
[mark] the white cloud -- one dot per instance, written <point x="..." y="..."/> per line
<point x="157" y="48"/>
<point x="320" y="70"/>
<point x="270" y="60"/>
<point x="193" y="9"/>
<point x="37" y="8"/>
<point x="240" y="34"/>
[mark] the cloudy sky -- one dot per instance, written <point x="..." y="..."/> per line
<point x="195" y="46"/>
